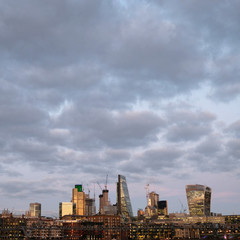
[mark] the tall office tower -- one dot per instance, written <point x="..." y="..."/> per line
<point x="67" y="208"/>
<point x="199" y="200"/>
<point x="90" y="208"/>
<point x="35" y="209"/>
<point x="153" y="199"/>
<point x="124" y="206"/>
<point x="162" y="207"/>
<point x="78" y="197"/>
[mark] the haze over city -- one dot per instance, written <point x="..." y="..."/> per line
<point x="146" y="89"/>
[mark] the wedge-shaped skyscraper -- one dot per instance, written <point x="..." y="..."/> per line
<point x="199" y="200"/>
<point x="124" y="206"/>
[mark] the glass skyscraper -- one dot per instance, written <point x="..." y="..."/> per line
<point x="199" y="200"/>
<point x="124" y="206"/>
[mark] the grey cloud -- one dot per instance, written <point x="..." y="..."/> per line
<point x="202" y="162"/>
<point x="215" y="155"/>
<point x="21" y="115"/>
<point x="116" y="155"/>
<point x="36" y="154"/>
<point x="234" y="129"/>
<point x="105" y="128"/>
<point x="185" y="176"/>
<point x="226" y="78"/>
<point x="197" y="117"/>
<point x="132" y="166"/>
<point x="187" y="133"/>
<point x="55" y="32"/>
<point x="83" y="77"/>
<point x="19" y="119"/>
<point x="157" y="159"/>
<point x="34" y="150"/>
<point x="133" y="176"/>
<point x="133" y="128"/>
<point x="188" y="125"/>
<point x="216" y="21"/>
<point x="7" y="172"/>
<point x="210" y="146"/>
<point x="154" y="51"/>
<point x="217" y="31"/>
<point x="145" y="47"/>
<point x="9" y="93"/>
<point x="24" y="189"/>
<point x="233" y="148"/>
<point x="146" y="54"/>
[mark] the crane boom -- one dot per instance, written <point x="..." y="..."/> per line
<point x="106" y="182"/>
<point x="99" y="186"/>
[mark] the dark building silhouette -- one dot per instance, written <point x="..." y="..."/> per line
<point x="162" y="207"/>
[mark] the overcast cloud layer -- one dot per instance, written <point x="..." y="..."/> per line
<point x="146" y="89"/>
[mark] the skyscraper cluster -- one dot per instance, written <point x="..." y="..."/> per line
<point x="154" y="206"/>
<point x="83" y="205"/>
<point x="198" y="198"/>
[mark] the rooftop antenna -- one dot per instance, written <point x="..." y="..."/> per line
<point x="94" y="190"/>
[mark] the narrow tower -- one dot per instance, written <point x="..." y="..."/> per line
<point x="78" y="197"/>
<point x="124" y="206"/>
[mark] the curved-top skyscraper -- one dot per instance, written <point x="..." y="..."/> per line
<point x="123" y="200"/>
<point x="199" y="200"/>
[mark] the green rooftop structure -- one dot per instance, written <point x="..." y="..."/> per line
<point x="79" y="187"/>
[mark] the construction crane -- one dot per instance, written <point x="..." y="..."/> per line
<point x="183" y="209"/>
<point x="147" y="193"/>
<point x="99" y="186"/>
<point x="106" y="182"/>
<point x="88" y="190"/>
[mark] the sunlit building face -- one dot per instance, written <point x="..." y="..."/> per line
<point x="123" y="199"/>
<point x="199" y="200"/>
<point x="35" y="209"/>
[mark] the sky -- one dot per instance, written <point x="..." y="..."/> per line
<point x="146" y="89"/>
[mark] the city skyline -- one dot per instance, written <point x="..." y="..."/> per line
<point x="145" y="89"/>
<point x="198" y="198"/>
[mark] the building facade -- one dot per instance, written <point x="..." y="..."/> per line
<point x="66" y="208"/>
<point x="90" y="208"/>
<point x="78" y="197"/>
<point x="124" y="206"/>
<point x="111" y="226"/>
<point x="162" y="207"/>
<point x="35" y="209"/>
<point x="199" y="200"/>
<point x="153" y="200"/>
